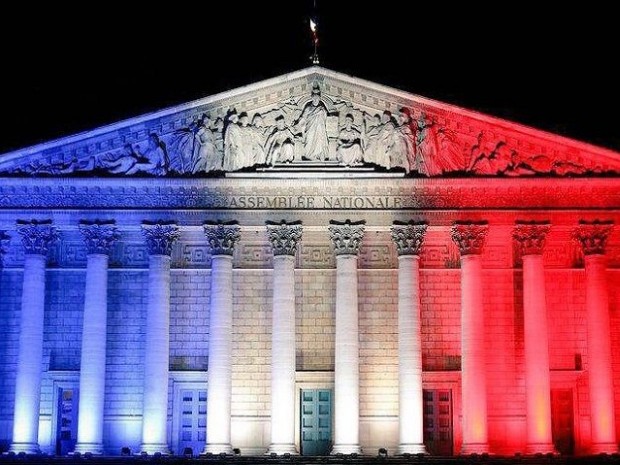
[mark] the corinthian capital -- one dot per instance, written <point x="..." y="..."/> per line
<point x="160" y="237"/>
<point x="592" y="235"/>
<point x="284" y="236"/>
<point x="346" y="236"/>
<point x="531" y="235"/>
<point x="470" y="236"/>
<point x="99" y="236"/>
<point x="408" y="237"/>
<point x="37" y="236"/>
<point x="4" y="246"/>
<point x="222" y="236"/>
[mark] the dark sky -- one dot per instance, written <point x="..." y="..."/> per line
<point x="65" y="72"/>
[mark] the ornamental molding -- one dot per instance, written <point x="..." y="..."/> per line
<point x="99" y="236"/>
<point x="408" y="237"/>
<point x="346" y="236"/>
<point x="470" y="236"/>
<point x="284" y="236"/>
<point x="530" y="236"/>
<point x="37" y="236"/>
<point x="592" y="236"/>
<point x="160" y="236"/>
<point x="222" y="236"/>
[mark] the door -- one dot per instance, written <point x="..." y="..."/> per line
<point x="193" y="421"/>
<point x="66" y="420"/>
<point x="438" y="421"/>
<point x="316" y="421"/>
<point x="562" y="421"/>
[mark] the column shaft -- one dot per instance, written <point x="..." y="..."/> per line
<point x="220" y="356"/>
<point x="157" y="348"/>
<point x="93" y="357"/>
<point x="537" y="379"/>
<point x="30" y="356"/>
<point x="410" y="356"/>
<point x="283" y="356"/>
<point x="600" y="373"/>
<point x="473" y="357"/>
<point x="346" y="435"/>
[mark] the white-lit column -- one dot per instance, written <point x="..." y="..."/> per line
<point x="470" y="236"/>
<point x="530" y="237"/>
<point x="346" y="238"/>
<point x="99" y="237"/>
<point x="159" y="239"/>
<point x="409" y="238"/>
<point x="222" y="239"/>
<point x="593" y="238"/>
<point x="36" y="238"/>
<point x="284" y="238"/>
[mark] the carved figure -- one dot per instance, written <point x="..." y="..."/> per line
<point x="312" y="124"/>
<point x="280" y="145"/>
<point x="349" y="143"/>
<point x="206" y="157"/>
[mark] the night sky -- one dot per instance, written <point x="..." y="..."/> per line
<point x="551" y="70"/>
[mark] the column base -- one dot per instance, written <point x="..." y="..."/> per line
<point x="532" y="449"/>
<point x="152" y="449"/>
<point x="95" y="448"/>
<point x="604" y="448"/>
<point x="475" y="448"/>
<point x="30" y="448"/>
<point x="281" y="449"/>
<point x="216" y="448"/>
<point x="346" y="449"/>
<point x="412" y="449"/>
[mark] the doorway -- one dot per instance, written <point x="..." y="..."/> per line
<point x="316" y="421"/>
<point x="192" y="421"/>
<point x="438" y="434"/>
<point x="66" y="420"/>
<point x="562" y="420"/>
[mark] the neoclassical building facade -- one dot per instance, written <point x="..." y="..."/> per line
<point x="312" y="264"/>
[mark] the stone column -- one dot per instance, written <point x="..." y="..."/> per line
<point x="593" y="238"/>
<point x="222" y="238"/>
<point x="99" y="237"/>
<point x="284" y="238"/>
<point x="346" y="238"/>
<point x="530" y="237"/>
<point x="409" y="238"/>
<point x="37" y="236"/>
<point x="470" y="236"/>
<point x="159" y="239"/>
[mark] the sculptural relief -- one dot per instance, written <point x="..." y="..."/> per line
<point x="316" y="129"/>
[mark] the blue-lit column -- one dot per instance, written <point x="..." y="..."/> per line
<point x="159" y="239"/>
<point x="99" y="237"/>
<point x="284" y="238"/>
<point x="346" y="238"/>
<point x="222" y="239"/>
<point x="4" y="246"/>
<point x="409" y="238"/>
<point x="37" y="236"/>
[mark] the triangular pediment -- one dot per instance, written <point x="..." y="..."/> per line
<point x="314" y="120"/>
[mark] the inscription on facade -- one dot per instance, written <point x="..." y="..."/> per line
<point x="317" y="202"/>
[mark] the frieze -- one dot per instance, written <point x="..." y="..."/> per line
<point x="359" y="194"/>
<point x="317" y="116"/>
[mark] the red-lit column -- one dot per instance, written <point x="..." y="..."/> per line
<point x="530" y="237"/>
<point x="346" y="238"/>
<point x="222" y="238"/>
<point x="593" y="238"/>
<point x="409" y="238"/>
<point x="470" y="236"/>
<point x="284" y="238"/>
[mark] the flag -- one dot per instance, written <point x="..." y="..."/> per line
<point x="315" y="36"/>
